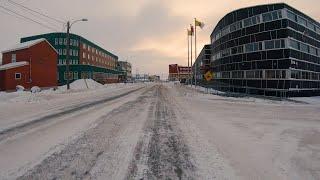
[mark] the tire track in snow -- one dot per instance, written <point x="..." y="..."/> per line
<point x="161" y="152"/>
<point x="66" y="111"/>
<point x="78" y="158"/>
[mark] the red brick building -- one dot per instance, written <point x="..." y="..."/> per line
<point x="179" y="73"/>
<point x="29" y="64"/>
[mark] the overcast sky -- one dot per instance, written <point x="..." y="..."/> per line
<point x="148" y="33"/>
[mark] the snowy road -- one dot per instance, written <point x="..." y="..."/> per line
<point x="166" y="131"/>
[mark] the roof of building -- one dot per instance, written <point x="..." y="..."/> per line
<point x="13" y="65"/>
<point x="27" y="45"/>
<point x="52" y="36"/>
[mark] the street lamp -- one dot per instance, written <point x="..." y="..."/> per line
<point x="69" y="24"/>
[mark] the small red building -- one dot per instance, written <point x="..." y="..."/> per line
<point x="179" y="73"/>
<point x="33" y="63"/>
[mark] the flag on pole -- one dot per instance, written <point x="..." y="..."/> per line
<point x="191" y="30"/>
<point x="199" y="23"/>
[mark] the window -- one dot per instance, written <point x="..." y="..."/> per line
<point x="247" y="22"/>
<point x="292" y="16"/>
<point x="294" y="44"/>
<point x="266" y="17"/>
<point x="17" y="76"/>
<point x="302" y="21"/>
<point x="269" y="45"/>
<point x="65" y="41"/>
<point x="56" y="41"/>
<point x="83" y="55"/>
<point x="250" y="74"/>
<point x="304" y="48"/>
<point x="60" y="41"/>
<point x="277" y="44"/>
<point x="64" y="52"/>
<point x="70" y="75"/>
<point x="75" y="75"/>
<point x="270" y="74"/>
<point x="313" y="51"/>
<point x="249" y="47"/>
<point x="84" y="46"/>
<point x="311" y="26"/>
<point x="275" y="15"/>
<point x="13" y="58"/>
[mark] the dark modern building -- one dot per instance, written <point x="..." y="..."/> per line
<point x="202" y="64"/>
<point x="87" y="60"/>
<point x="267" y="49"/>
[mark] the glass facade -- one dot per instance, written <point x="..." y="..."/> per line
<point x="269" y="49"/>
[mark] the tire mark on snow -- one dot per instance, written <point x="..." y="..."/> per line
<point x="161" y="152"/>
<point x="78" y="158"/>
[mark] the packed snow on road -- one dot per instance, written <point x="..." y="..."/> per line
<point x="156" y="131"/>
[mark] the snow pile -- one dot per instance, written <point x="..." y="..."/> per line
<point x="81" y="84"/>
<point x="309" y="100"/>
<point x="206" y="90"/>
<point x="35" y="89"/>
<point x="19" y="88"/>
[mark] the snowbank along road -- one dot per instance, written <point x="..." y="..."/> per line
<point x="167" y="131"/>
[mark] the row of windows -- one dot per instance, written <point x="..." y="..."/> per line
<point x="251" y="47"/>
<point x="276" y="30"/>
<point x="63" y="41"/>
<point x="271" y="83"/>
<point x="71" y="61"/>
<point x="72" y="75"/>
<point x="253" y="74"/>
<point x="296" y="74"/>
<point x="302" y="21"/>
<point x="72" y="52"/>
<point x="95" y="51"/>
<point x="266" y="17"/>
<point x="304" y="47"/>
<point x="97" y="59"/>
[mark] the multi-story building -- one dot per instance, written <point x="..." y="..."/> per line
<point x="179" y="73"/>
<point x="268" y="49"/>
<point x="87" y="60"/>
<point x="202" y="64"/>
<point x="126" y="67"/>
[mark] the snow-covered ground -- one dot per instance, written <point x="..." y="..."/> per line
<point x="161" y="131"/>
<point x="21" y="107"/>
<point x="256" y="138"/>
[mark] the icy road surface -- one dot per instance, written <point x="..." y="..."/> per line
<point x="166" y="131"/>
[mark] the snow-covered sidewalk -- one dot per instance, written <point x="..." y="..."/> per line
<point x="21" y="107"/>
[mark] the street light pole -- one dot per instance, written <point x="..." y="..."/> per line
<point x="68" y="50"/>
<point x="67" y="58"/>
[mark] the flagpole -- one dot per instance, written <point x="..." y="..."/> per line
<point x="188" y="50"/>
<point x="195" y="52"/>
<point x="191" y="54"/>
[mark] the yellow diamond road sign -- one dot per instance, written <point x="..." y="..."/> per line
<point x="208" y="76"/>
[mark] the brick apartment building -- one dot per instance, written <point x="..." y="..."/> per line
<point x="179" y="73"/>
<point x="29" y="64"/>
<point x="87" y="59"/>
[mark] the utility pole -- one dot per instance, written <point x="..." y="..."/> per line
<point x="68" y="53"/>
<point x="68" y="50"/>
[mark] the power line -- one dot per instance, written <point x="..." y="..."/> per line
<point x="27" y="18"/>
<point x="41" y="18"/>
<point x="47" y="16"/>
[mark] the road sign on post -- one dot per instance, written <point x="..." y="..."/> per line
<point x="208" y="76"/>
